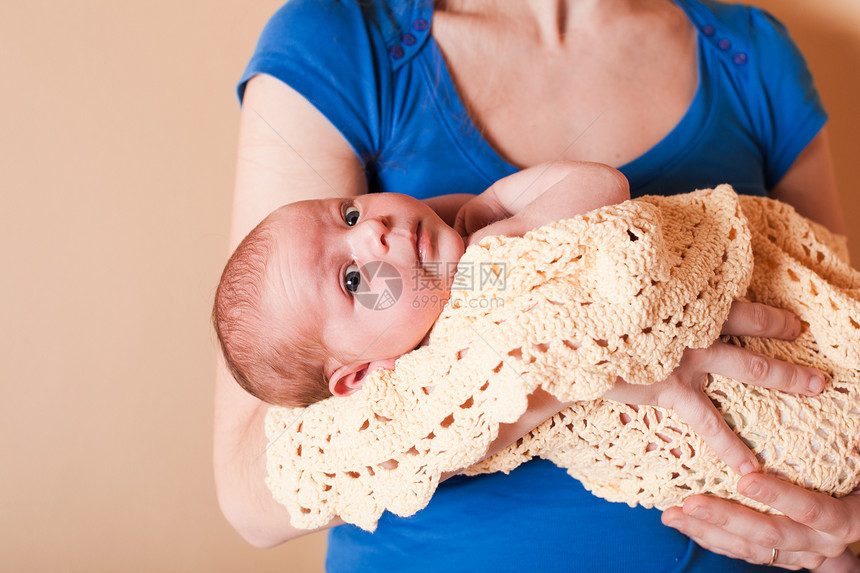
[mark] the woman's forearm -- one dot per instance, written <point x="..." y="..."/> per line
<point x="541" y="407"/>
<point x="240" y="467"/>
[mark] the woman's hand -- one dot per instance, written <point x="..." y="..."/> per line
<point x="815" y="526"/>
<point x="682" y="390"/>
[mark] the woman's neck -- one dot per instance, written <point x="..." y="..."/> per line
<point x="552" y="20"/>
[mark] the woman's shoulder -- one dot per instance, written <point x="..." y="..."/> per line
<point x="389" y="19"/>
<point x="327" y="21"/>
<point x="371" y="37"/>
<point x="753" y="44"/>
<point x="723" y="22"/>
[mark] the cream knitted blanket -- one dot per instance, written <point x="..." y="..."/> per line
<point x="621" y="291"/>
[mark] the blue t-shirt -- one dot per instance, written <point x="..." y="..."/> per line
<point x="373" y="69"/>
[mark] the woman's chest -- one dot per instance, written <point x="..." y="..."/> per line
<point x="608" y="101"/>
<point x="459" y="123"/>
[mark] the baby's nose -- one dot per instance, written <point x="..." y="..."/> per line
<point x="371" y="240"/>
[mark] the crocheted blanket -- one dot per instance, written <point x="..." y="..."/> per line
<point x="620" y="291"/>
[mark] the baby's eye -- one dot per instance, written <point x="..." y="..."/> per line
<point x="351" y="214"/>
<point x="352" y="278"/>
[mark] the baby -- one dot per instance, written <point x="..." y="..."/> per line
<point x="299" y="318"/>
<point x="622" y="290"/>
<point x="297" y="310"/>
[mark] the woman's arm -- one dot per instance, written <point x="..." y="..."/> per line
<point x="810" y="185"/>
<point x="287" y="152"/>
<point x="240" y="466"/>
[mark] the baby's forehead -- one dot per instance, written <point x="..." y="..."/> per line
<point x="288" y="285"/>
<point x="298" y="217"/>
<point x="299" y="208"/>
<point x="297" y="233"/>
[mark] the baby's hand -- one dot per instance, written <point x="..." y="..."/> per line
<point x="479" y="212"/>
<point x="515" y="226"/>
<point x="539" y="195"/>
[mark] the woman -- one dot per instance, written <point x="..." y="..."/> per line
<point x="342" y="98"/>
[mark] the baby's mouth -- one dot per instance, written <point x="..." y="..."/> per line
<point x="420" y="245"/>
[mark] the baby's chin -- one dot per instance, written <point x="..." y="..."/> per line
<point x="426" y="340"/>
<point x="451" y="247"/>
<point x="408" y="347"/>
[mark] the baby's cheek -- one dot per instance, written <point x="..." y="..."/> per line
<point x="427" y="306"/>
<point x="419" y="312"/>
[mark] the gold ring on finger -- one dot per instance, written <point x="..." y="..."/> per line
<point x="773" y="555"/>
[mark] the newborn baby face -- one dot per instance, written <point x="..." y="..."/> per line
<point x="370" y="273"/>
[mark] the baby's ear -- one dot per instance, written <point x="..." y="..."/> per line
<point x="348" y="379"/>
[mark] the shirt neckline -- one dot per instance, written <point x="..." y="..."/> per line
<point x="639" y="171"/>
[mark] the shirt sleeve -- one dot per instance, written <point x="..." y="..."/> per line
<point x="330" y="53"/>
<point x="789" y="112"/>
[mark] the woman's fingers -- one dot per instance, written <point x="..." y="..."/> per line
<point x="837" y="518"/>
<point x="682" y="393"/>
<point x="705" y="420"/>
<point x="845" y="563"/>
<point x="815" y="526"/>
<point x="760" y="529"/>
<point x="752" y="368"/>
<point x="741" y="542"/>
<point x="755" y="319"/>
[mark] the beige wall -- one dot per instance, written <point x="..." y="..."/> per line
<point x="119" y="122"/>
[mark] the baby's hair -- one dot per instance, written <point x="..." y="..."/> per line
<point x="265" y="355"/>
